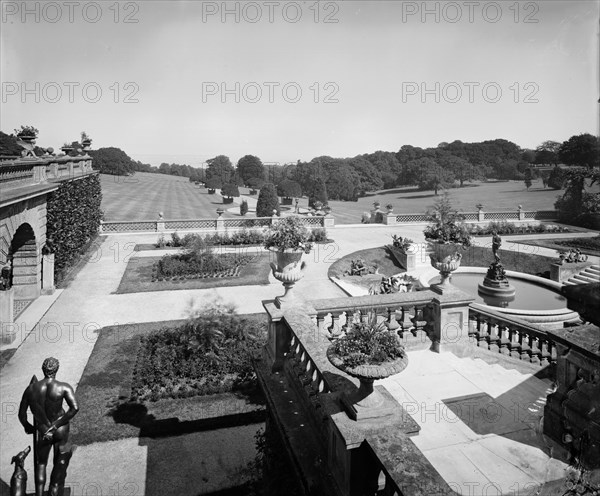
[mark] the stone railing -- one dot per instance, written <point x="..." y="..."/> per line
<point x="480" y="216"/>
<point x="433" y="319"/>
<point x="26" y="171"/>
<point x="219" y="224"/>
<point x="509" y="336"/>
<point x="407" y="315"/>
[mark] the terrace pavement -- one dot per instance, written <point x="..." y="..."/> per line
<point x="65" y="326"/>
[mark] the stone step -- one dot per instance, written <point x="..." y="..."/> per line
<point x="594" y="269"/>
<point x="583" y="278"/>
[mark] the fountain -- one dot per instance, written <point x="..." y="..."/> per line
<point x="495" y="285"/>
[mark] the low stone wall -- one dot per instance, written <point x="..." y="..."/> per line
<point x="561" y="273"/>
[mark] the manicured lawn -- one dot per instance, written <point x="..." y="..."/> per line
<point x="493" y="195"/>
<point x="138" y="276"/>
<point x="104" y="391"/>
<point x="142" y="196"/>
<point x="589" y="246"/>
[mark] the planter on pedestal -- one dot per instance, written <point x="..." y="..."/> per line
<point x="211" y="191"/>
<point x="367" y="402"/>
<point x="286" y="201"/>
<point x="288" y="269"/>
<point x="227" y="200"/>
<point x="446" y="258"/>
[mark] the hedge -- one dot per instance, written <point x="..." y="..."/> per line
<point x="73" y="218"/>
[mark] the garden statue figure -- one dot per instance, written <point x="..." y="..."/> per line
<point x="18" y="481"/>
<point x="51" y="426"/>
<point x="297" y="209"/>
<point x="496" y="243"/>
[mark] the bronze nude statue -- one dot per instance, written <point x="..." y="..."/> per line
<point x="51" y="426"/>
<point x="496" y="243"/>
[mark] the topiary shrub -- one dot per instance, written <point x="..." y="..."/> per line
<point x="267" y="201"/>
<point x="243" y="208"/>
<point x="230" y="190"/>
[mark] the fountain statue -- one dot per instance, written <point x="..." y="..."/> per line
<point x="495" y="285"/>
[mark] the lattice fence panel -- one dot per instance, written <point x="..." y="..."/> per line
<point x="191" y="224"/>
<point x="545" y="215"/>
<point x="470" y="215"/>
<point x="247" y="223"/>
<point x="312" y="221"/>
<point x="501" y="215"/>
<point x="128" y="226"/>
<point x="411" y="218"/>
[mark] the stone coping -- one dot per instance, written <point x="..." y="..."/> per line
<point x="584" y="338"/>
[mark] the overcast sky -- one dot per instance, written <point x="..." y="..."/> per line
<point x="160" y="79"/>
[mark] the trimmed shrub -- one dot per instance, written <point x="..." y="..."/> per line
<point x="73" y="218"/>
<point x="267" y="201"/>
<point x="319" y="193"/>
<point x="243" y="208"/>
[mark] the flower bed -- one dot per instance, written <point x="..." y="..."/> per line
<point x="239" y="238"/>
<point x="187" y="266"/>
<point x="504" y="227"/>
<point x="211" y="353"/>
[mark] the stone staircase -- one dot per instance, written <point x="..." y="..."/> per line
<point x="518" y="392"/>
<point x="588" y="275"/>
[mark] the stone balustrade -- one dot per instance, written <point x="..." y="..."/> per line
<point x="509" y="336"/>
<point x="219" y="224"/>
<point x="29" y="171"/>
<point x="480" y="216"/>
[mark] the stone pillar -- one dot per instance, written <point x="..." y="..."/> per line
<point x="450" y="319"/>
<point x="389" y="219"/>
<point x="278" y="336"/>
<point x="48" y="287"/>
<point x="220" y="224"/>
<point x="328" y="221"/>
<point x="480" y="215"/>
<point x="160" y="223"/>
<point x="521" y="213"/>
<point x="7" y="329"/>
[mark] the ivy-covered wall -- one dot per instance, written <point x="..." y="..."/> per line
<point x="73" y="219"/>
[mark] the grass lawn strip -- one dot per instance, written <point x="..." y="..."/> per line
<point x="138" y="277"/>
<point x="105" y="387"/>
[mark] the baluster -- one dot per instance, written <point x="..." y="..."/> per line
<point x="504" y="340"/>
<point x="524" y="340"/>
<point x="334" y="329"/>
<point x="391" y="322"/>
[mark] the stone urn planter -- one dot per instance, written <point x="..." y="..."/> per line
<point x="288" y="239"/>
<point x="367" y="402"/>
<point x="288" y="269"/>
<point x="446" y="258"/>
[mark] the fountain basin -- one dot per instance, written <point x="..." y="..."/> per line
<point x="536" y="300"/>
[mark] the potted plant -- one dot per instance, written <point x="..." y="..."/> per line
<point x="289" y="239"/>
<point x="66" y="148"/>
<point x="404" y="251"/>
<point x="390" y="208"/>
<point x="85" y="140"/>
<point x="27" y="133"/>
<point x="368" y="351"/>
<point x="229" y="191"/>
<point x="447" y="234"/>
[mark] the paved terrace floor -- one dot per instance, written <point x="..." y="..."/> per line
<point x="64" y="325"/>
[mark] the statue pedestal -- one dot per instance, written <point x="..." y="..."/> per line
<point x="496" y="285"/>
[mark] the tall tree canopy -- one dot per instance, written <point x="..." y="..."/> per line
<point x="220" y="166"/>
<point x="112" y="161"/>
<point x="583" y="150"/>
<point x="250" y="166"/>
